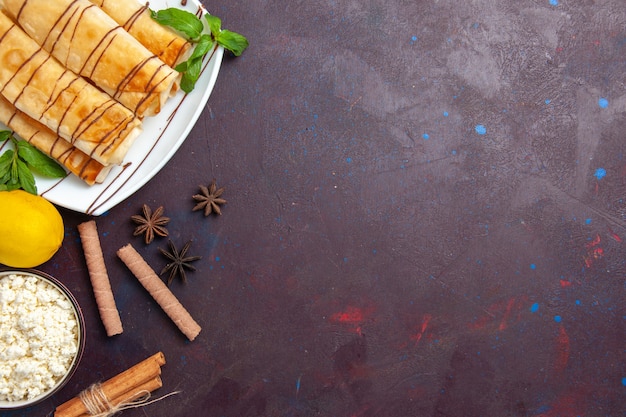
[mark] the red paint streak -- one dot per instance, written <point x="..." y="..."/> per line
<point x="503" y="323"/>
<point x="480" y="323"/>
<point x="615" y="236"/>
<point x="510" y="311"/>
<point x="418" y="336"/>
<point x="594" y="242"/>
<point x="593" y="252"/>
<point x="593" y="255"/>
<point x="352" y="316"/>
<point x="562" y="350"/>
<point x="565" y="283"/>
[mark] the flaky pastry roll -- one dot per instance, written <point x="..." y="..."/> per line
<point x="42" y="138"/>
<point x="38" y="85"/>
<point x="86" y="40"/>
<point x="160" y="40"/>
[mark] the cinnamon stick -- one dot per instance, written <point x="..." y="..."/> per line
<point x="133" y="395"/>
<point x="159" y="291"/>
<point x="99" y="278"/>
<point x="122" y="387"/>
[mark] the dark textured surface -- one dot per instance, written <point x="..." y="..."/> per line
<point x="426" y="214"/>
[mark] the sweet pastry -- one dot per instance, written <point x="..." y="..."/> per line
<point x="160" y="40"/>
<point x="86" y="40"/>
<point x="42" y="138"/>
<point x="41" y="87"/>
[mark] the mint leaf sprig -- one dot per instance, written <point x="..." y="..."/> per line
<point x="192" y="28"/>
<point x="17" y="165"/>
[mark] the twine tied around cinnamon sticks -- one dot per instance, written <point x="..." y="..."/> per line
<point x="129" y="389"/>
<point x="98" y="405"/>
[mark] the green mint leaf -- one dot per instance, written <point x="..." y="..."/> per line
<point x="26" y="178"/>
<point x="11" y="179"/>
<point x="215" y="23"/>
<point x="16" y="165"/>
<point x="180" y="20"/>
<point x="4" y="135"/>
<point x="191" y="75"/>
<point x="182" y="67"/>
<point x="5" y="161"/>
<point x="39" y="161"/>
<point x="193" y="27"/>
<point x="232" y="41"/>
<point x="202" y="48"/>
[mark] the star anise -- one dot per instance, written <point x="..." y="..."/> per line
<point x="180" y="261"/>
<point x="150" y="223"/>
<point x="210" y="199"/>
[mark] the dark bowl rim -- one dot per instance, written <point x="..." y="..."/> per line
<point x="81" y="332"/>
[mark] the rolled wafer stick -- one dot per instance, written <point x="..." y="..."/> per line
<point x="99" y="278"/>
<point x="159" y="291"/>
<point x="118" y="387"/>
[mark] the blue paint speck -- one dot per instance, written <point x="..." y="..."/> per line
<point x="588" y="221"/>
<point x="548" y="101"/>
<point x="624" y="381"/>
<point x="348" y="160"/>
<point x="554" y="2"/>
<point x="413" y="39"/>
<point x="600" y="173"/>
<point x="217" y="259"/>
<point x="534" y="308"/>
<point x="603" y="103"/>
<point x="480" y="129"/>
<point x="426" y="136"/>
<point x="445" y="114"/>
<point x="453" y="152"/>
<point x="533" y="266"/>
<point x="577" y="302"/>
<point x="557" y="319"/>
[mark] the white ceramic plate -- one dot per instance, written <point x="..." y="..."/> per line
<point x="161" y="137"/>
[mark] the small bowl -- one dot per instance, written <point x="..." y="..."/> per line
<point x="60" y="381"/>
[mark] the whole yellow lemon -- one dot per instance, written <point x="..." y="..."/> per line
<point x="31" y="229"/>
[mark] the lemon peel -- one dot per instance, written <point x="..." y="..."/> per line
<point x="31" y="229"/>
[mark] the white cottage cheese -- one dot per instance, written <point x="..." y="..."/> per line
<point x="38" y="336"/>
